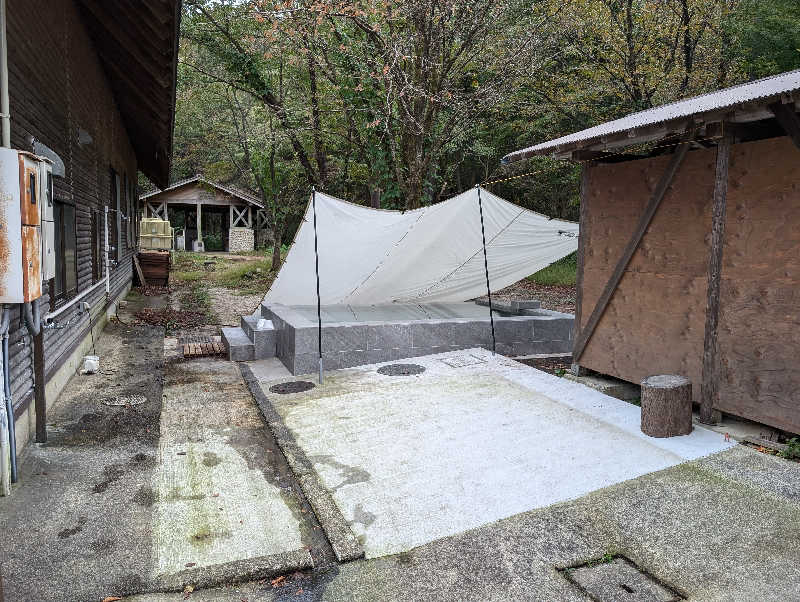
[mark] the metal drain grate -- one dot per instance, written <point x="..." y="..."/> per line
<point x="295" y="386"/>
<point x="610" y="579"/>
<point x="459" y="361"/>
<point x="401" y="369"/>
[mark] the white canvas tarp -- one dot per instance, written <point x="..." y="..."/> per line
<point x="433" y="254"/>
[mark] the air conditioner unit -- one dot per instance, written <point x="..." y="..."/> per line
<point x="20" y="226"/>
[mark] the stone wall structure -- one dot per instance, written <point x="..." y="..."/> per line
<point x="240" y="239"/>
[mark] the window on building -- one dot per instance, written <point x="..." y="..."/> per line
<point x="129" y="211"/>
<point x="113" y="218"/>
<point x="66" y="278"/>
<point x="97" y="245"/>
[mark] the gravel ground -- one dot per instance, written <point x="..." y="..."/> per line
<point x="228" y="306"/>
<point x="556" y="298"/>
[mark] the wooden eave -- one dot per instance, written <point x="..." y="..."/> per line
<point x="138" y="47"/>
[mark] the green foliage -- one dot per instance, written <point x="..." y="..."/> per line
<point x="213" y="242"/>
<point x="563" y="272"/>
<point x="792" y="451"/>
<point x="247" y="277"/>
<point x="344" y="95"/>
<point x="768" y="33"/>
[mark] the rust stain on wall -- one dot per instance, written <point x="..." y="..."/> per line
<point x="32" y="279"/>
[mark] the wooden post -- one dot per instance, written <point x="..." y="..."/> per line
<point x="199" y="217"/>
<point x="583" y="237"/>
<point x="39" y="385"/>
<point x="630" y="248"/>
<point x="666" y="406"/>
<point x="708" y="389"/>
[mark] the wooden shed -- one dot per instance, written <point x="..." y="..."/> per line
<point x="207" y="210"/>
<point x="689" y="251"/>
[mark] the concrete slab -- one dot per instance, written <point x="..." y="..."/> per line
<point x="269" y="369"/>
<point x="410" y="459"/>
<point x="608" y="385"/>
<point x="215" y="505"/>
<point x="707" y="537"/>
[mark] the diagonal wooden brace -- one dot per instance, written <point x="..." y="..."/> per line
<point x="644" y="221"/>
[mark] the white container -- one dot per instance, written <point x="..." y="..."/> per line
<point x="91" y="364"/>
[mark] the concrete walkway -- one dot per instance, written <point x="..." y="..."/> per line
<point x="183" y="485"/>
<point x="720" y="529"/>
<point x="472" y="439"/>
<point x="220" y="508"/>
<point x="127" y="499"/>
<point x="78" y="524"/>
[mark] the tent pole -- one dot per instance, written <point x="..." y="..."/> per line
<point x="316" y="267"/>
<point x="486" y="269"/>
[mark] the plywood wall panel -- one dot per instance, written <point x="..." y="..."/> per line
<point x="654" y="323"/>
<point x="759" y="331"/>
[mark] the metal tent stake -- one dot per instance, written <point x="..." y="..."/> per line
<point x="316" y="267"/>
<point x="486" y="269"/>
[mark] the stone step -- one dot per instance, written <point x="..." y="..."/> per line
<point x="240" y="347"/>
<point x="512" y="307"/>
<point x="264" y="338"/>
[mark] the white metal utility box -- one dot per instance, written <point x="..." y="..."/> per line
<point x="21" y="214"/>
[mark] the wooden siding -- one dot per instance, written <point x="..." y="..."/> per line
<point x="655" y="321"/>
<point x="59" y="94"/>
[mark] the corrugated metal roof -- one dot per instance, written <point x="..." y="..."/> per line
<point x="229" y="189"/>
<point x="713" y="101"/>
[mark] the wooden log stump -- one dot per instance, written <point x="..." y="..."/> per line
<point x="666" y="405"/>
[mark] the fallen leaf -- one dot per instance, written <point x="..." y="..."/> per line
<point x="111" y="599"/>
<point x="189" y="564"/>
<point x="278" y="581"/>
<point x="187" y="591"/>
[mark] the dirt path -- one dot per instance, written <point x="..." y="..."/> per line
<point x="227" y="306"/>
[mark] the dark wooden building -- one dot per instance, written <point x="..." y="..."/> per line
<point x="689" y="253"/>
<point x="91" y="85"/>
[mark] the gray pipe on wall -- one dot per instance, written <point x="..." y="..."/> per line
<point x="9" y="409"/>
<point x="5" y="115"/>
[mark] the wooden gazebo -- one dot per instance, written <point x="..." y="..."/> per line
<point x="689" y="252"/>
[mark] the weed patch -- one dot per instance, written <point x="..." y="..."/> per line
<point x="562" y="272"/>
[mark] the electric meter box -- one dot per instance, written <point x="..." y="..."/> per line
<point x="48" y="227"/>
<point x="20" y="226"/>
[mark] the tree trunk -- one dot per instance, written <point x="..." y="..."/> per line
<point x="375" y="197"/>
<point x="666" y="406"/>
<point x="276" y="248"/>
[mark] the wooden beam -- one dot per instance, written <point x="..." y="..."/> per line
<point x="788" y="120"/>
<point x="708" y="389"/>
<point x="583" y="237"/>
<point x="630" y="248"/>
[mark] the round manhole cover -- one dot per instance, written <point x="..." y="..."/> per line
<point x="295" y="386"/>
<point x="401" y="369"/>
